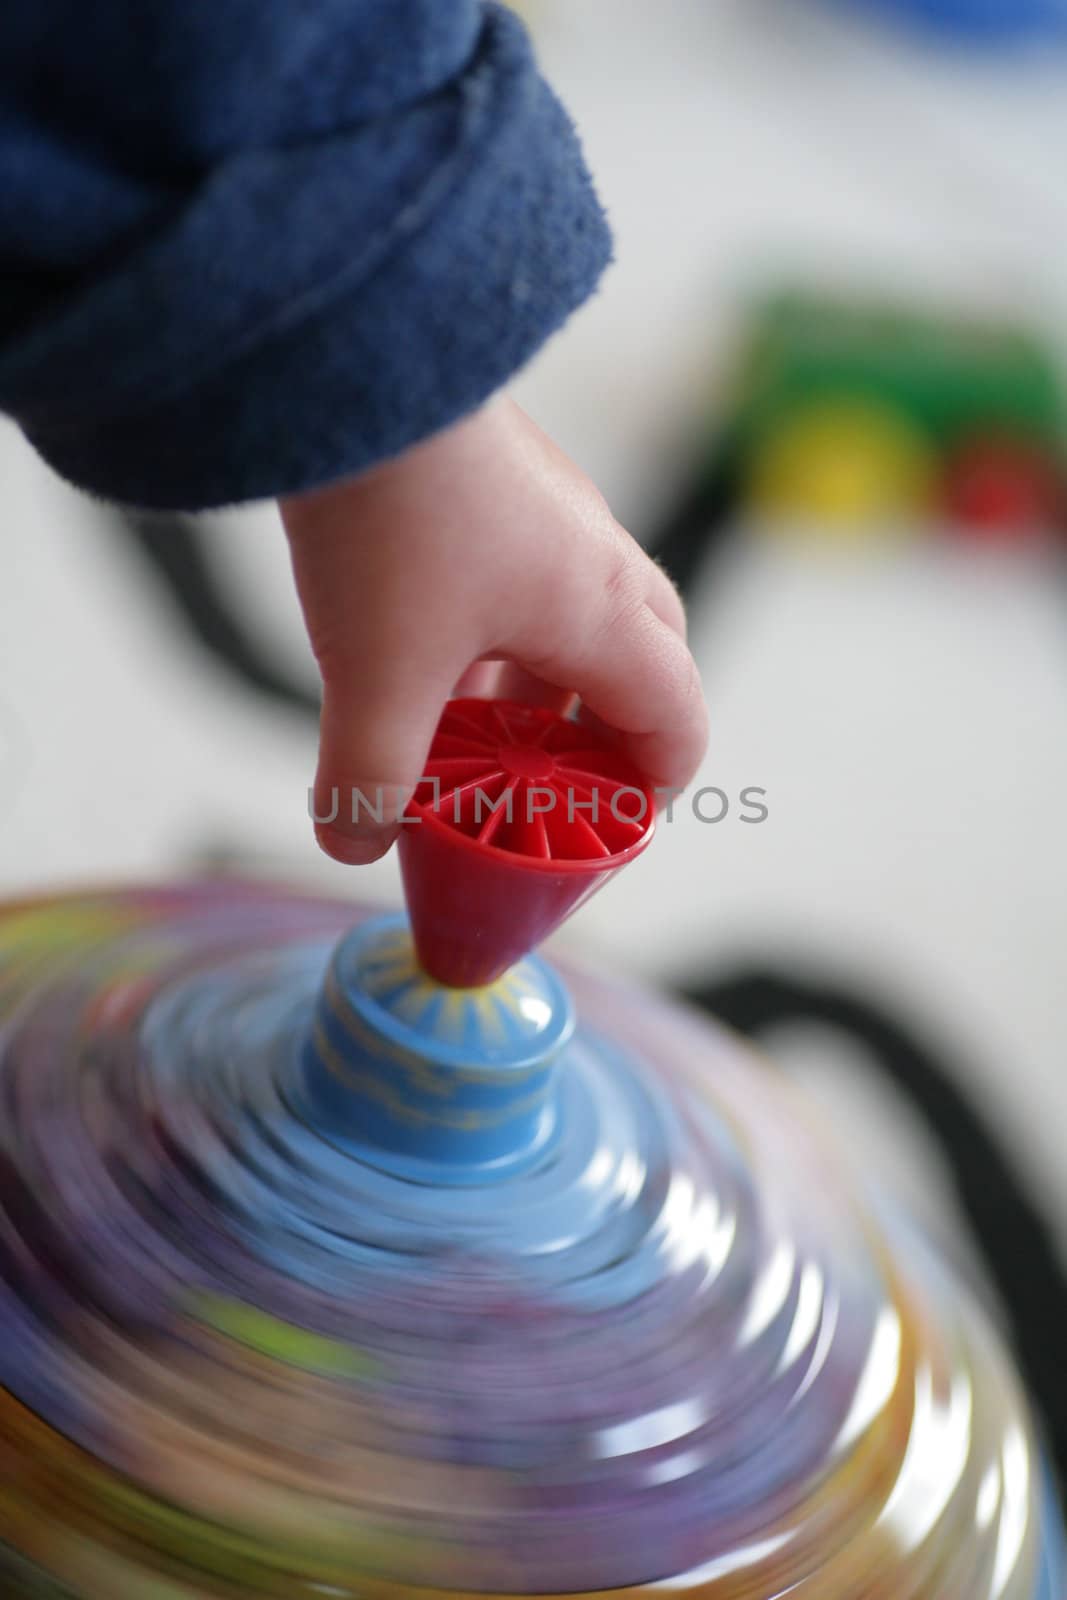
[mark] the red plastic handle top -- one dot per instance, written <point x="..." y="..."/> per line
<point x="521" y="816"/>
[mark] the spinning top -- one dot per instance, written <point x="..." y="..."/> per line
<point x="335" y="1262"/>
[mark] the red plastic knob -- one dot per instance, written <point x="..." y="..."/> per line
<point x="522" y="815"/>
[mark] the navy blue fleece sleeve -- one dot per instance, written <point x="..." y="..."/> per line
<point x="247" y="246"/>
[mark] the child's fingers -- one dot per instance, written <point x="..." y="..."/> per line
<point x="504" y="680"/>
<point x="644" y="683"/>
<point x="479" y="682"/>
<point x="632" y="669"/>
<point x="515" y="683"/>
<point x="508" y="680"/>
<point x="481" y="558"/>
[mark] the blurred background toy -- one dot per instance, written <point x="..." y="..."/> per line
<point x="1001" y="486"/>
<point x="978" y="21"/>
<point x="846" y="414"/>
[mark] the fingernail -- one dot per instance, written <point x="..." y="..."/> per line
<point x="355" y="849"/>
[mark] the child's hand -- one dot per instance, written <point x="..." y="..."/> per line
<point x="482" y="544"/>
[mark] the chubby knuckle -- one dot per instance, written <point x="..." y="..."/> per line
<point x="693" y="717"/>
<point x="679" y="680"/>
<point x="690" y="684"/>
<point x="624" y="597"/>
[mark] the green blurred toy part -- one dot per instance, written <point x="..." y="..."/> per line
<point x="847" y="415"/>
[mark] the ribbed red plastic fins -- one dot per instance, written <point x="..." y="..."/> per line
<point x="522" y="815"/>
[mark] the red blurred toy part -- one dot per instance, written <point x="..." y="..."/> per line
<point x="1003" y="488"/>
<point x="521" y="816"/>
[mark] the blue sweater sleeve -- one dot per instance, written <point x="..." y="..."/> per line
<point x="247" y="246"/>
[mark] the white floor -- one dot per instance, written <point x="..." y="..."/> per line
<point x="904" y="708"/>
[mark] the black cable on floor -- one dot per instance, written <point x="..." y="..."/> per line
<point x="696" y="524"/>
<point x="175" y="548"/>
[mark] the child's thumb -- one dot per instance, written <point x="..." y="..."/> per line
<point x="389" y="652"/>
